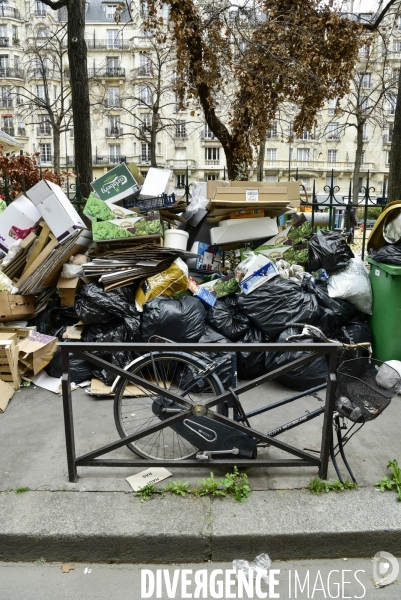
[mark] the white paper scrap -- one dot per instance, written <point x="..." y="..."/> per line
<point x="153" y="475"/>
<point x="155" y="182"/>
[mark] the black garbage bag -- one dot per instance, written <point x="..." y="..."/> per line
<point x="94" y="305"/>
<point x="112" y="332"/>
<point x="328" y="250"/>
<point x="389" y="255"/>
<point x="301" y="378"/>
<point x="225" y="318"/>
<point x="336" y="312"/>
<point x="276" y="304"/>
<point x="357" y="332"/>
<point x="80" y="370"/>
<point x="251" y="364"/>
<point x="54" y="321"/>
<point x="181" y="320"/>
<point x="224" y="371"/>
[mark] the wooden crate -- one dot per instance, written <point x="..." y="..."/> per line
<point x="9" y="363"/>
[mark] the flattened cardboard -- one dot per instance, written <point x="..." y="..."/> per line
<point x="151" y="475"/>
<point x="278" y="194"/>
<point x="212" y="185"/>
<point x="14" y="308"/>
<point x="35" y="352"/>
<point x="6" y="393"/>
<point x="244" y="230"/>
<point x="118" y="183"/>
<point x="155" y="183"/>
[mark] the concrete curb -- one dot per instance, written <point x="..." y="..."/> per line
<point x="115" y="526"/>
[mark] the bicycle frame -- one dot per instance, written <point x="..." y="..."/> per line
<point x="302" y="458"/>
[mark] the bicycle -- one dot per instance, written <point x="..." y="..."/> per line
<point x="192" y="377"/>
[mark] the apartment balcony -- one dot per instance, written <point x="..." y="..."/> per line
<point x="212" y="162"/>
<point x="6" y="102"/>
<point x="143" y="41"/>
<point x="207" y="135"/>
<point x="9" y="130"/>
<point x="4" y="42"/>
<point x="315" y="165"/>
<point x="10" y="12"/>
<point x="333" y="137"/>
<point x="181" y="134"/>
<point x="390" y="111"/>
<point x="44" y="131"/>
<point x="9" y="73"/>
<point x="67" y="161"/>
<point x="115" y="103"/>
<point x="113" y="131"/>
<point x="108" y="72"/>
<point x="387" y="138"/>
<point x="40" y="13"/>
<point x="107" y="160"/>
<point x="180" y="164"/>
<point x="107" y="45"/>
<point x="46" y="160"/>
<point x="21" y="132"/>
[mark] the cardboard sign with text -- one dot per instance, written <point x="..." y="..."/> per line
<point x="117" y="183"/>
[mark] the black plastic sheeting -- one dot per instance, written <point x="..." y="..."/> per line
<point x="80" y="370"/>
<point x="390" y="255"/>
<point x="336" y="312"/>
<point x="54" y="321"/>
<point x="225" y="318"/>
<point x="328" y="250"/>
<point x="94" y="305"/>
<point x="251" y="364"/>
<point x="181" y="320"/>
<point x="276" y="304"/>
<point x="301" y="378"/>
<point x="112" y="332"/>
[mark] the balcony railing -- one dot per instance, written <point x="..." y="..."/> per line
<point x="4" y="42"/>
<point x="21" y="132"/>
<point x="107" y="72"/>
<point x="207" y="135"/>
<point x="387" y="138"/>
<point x="6" y="102"/>
<point x="9" y="130"/>
<point x="333" y="137"/>
<point x="44" y="131"/>
<point x="316" y="165"/>
<point x="107" y="160"/>
<point x="46" y="159"/>
<point x="181" y="133"/>
<point x="107" y="44"/>
<point x="67" y="161"/>
<point x="113" y="131"/>
<point x="9" y="72"/>
<point x="8" y="11"/>
<point x="144" y="71"/>
<point x="212" y="162"/>
<point x="40" y="13"/>
<point x="178" y="163"/>
<point x="113" y="103"/>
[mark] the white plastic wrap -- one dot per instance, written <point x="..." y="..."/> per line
<point x="261" y="563"/>
<point x="352" y="284"/>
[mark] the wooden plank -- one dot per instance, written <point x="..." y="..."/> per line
<point x="39" y="245"/>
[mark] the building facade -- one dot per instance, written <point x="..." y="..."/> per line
<point x="124" y="76"/>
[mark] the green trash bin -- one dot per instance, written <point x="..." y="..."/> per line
<point x="386" y="316"/>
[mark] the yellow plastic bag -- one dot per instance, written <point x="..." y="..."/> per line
<point x="167" y="283"/>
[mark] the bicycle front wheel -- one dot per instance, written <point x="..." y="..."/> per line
<point x="137" y="408"/>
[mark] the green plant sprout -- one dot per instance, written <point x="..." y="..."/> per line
<point x="147" y="491"/>
<point x="317" y="486"/>
<point x="177" y="488"/>
<point x="394" y="481"/>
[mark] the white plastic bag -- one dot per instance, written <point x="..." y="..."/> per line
<point x="261" y="563"/>
<point x="352" y="284"/>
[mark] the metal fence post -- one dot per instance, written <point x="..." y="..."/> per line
<point x="186" y="187"/>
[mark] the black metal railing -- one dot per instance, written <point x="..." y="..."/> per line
<point x="295" y="457"/>
<point x="21" y="131"/>
<point x="107" y="72"/>
<point x="113" y="103"/>
<point x="107" y="45"/>
<point x="113" y="131"/>
<point x="8" y="130"/>
<point x="4" y="42"/>
<point x="9" y="11"/>
<point x="40" y="13"/>
<point x="108" y="160"/>
<point x="10" y="72"/>
<point x="44" y="131"/>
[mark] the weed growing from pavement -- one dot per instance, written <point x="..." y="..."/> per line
<point x="394" y="481"/>
<point x="40" y="561"/>
<point x="235" y="484"/>
<point x="317" y="486"/>
<point x="22" y="490"/>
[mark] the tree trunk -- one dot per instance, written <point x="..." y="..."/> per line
<point x="357" y="165"/>
<point x="261" y="159"/>
<point x="77" y="56"/>
<point x="56" y="146"/>
<point x="394" y="178"/>
<point x="153" y="132"/>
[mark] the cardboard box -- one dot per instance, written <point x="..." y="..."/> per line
<point x="259" y="270"/>
<point x="129" y="227"/>
<point x="68" y="289"/>
<point x="14" y="308"/>
<point x="55" y="208"/>
<point x="253" y="194"/>
<point x="212" y="185"/>
<point x="17" y="221"/>
<point x="251" y="213"/>
<point x="155" y="183"/>
<point x="243" y="230"/>
<point x="209" y="259"/>
<point x="6" y="393"/>
<point x="117" y="183"/>
<point x="35" y="353"/>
